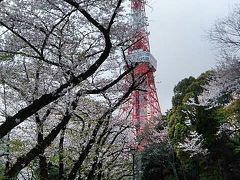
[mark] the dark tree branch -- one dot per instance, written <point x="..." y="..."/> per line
<point x="114" y="15"/>
<point x="52" y="29"/>
<point x="20" y="53"/>
<point x="98" y="91"/>
<point x="46" y="99"/>
<point x="29" y="44"/>
<point x="24" y="160"/>
<point x="86" y="150"/>
<point x="88" y="16"/>
<point x="61" y="155"/>
<point x="42" y="159"/>
<point x="101" y="141"/>
<point x="21" y="37"/>
<point x="4" y="154"/>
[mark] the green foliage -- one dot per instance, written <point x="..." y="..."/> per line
<point x="223" y="145"/>
<point x="1" y="171"/>
<point x="185" y="91"/>
<point x="16" y="145"/>
<point x="181" y="87"/>
<point x="53" y="172"/>
<point x="207" y="124"/>
<point x="233" y="116"/>
<point x="6" y="57"/>
<point x="170" y="177"/>
<point x="210" y="172"/>
<point x="233" y="111"/>
<point x="157" y="161"/>
<point x="203" y="120"/>
<point x="179" y="133"/>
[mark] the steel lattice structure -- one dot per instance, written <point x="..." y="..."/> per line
<point x="143" y="103"/>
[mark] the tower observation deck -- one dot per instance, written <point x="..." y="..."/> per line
<point x="144" y="102"/>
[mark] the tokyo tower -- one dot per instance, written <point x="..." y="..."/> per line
<point x="143" y="103"/>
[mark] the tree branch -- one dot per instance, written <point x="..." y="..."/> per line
<point x="46" y="99"/>
<point x="24" y="160"/>
<point x="83" y="155"/>
<point x="114" y="15"/>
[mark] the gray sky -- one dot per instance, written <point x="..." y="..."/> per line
<point x="178" y="40"/>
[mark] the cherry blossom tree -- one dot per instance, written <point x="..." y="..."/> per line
<point x="73" y="44"/>
<point x="62" y="69"/>
<point x="224" y="84"/>
<point x="193" y="144"/>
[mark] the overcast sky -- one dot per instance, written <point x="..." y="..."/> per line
<point x="178" y="40"/>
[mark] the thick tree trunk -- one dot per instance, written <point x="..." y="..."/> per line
<point x="72" y="175"/>
<point x="43" y="166"/>
<point x="99" y="175"/>
<point x="7" y="164"/>
<point x="92" y="171"/>
<point x="61" y="155"/>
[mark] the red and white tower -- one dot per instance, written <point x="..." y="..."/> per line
<point x="144" y="102"/>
